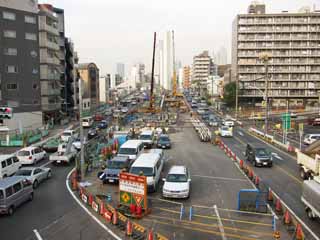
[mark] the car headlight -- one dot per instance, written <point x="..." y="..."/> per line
<point x="185" y="191"/>
<point x="258" y="159"/>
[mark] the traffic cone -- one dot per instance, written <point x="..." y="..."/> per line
<point x="115" y="218"/>
<point x="241" y="163"/>
<point x="102" y="208"/>
<point x="257" y="181"/>
<point x="129" y="228"/>
<point x="250" y="175"/>
<point x="90" y="200"/>
<point x="270" y="196"/>
<point x="299" y="233"/>
<point x="278" y="206"/>
<point x="150" y="235"/>
<point x="287" y="217"/>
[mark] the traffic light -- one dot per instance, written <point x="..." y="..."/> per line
<point x="6" y="113"/>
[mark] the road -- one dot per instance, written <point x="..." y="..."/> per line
<point x="283" y="177"/>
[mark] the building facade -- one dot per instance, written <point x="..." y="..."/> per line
<point x="121" y="70"/>
<point x="89" y="73"/>
<point x="19" y="63"/>
<point x="292" y="42"/>
<point x="186" y="77"/>
<point x="166" y="61"/>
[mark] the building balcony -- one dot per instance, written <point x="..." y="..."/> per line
<point x="43" y="26"/>
<point x="46" y="106"/>
<point x="45" y="43"/>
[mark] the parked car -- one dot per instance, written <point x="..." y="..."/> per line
<point x="131" y="149"/>
<point x="92" y="133"/>
<point x="311" y="138"/>
<point x="177" y="183"/>
<point x="258" y="156"/>
<point x="9" y="165"/>
<point x="103" y="124"/>
<point x="35" y="175"/>
<point x="113" y="167"/>
<point x="31" y="155"/>
<point x="164" y="141"/>
<point x="68" y="134"/>
<point x="14" y="191"/>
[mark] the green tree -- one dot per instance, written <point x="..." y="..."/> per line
<point x="229" y="95"/>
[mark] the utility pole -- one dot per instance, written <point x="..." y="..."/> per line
<point x="237" y="94"/>
<point x="82" y="170"/>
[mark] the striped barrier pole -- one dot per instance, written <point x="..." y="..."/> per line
<point x="190" y="213"/>
<point x="181" y="212"/>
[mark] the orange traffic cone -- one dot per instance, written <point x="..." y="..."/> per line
<point x="250" y="175"/>
<point x="115" y="218"/>
<point x="150" y="235"/>
<point x="102" y="208"/>
<point x="129" y="228"/>
<point x="241" y="163"/>
<point x="287" y="217"/>
<point x="90" y="200"/>
<point x="299" y="233"/>
<point x="257" y="181"/>
<point x="270" y="196"/>
<point x="278" y="206"/>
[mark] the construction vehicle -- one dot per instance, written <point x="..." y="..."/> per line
<point x="311" y="197"/>
<point x="65" y="154"/>
<point x="309" y="161"/>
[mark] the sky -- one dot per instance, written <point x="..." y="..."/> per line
<point x="111" y="31"/>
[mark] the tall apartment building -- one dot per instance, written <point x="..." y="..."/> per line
<point x="166" y="61"/>
<point x="202" y="69"/>
<point x="50" y="66"/>
<point x="121" y="70"/>
<point x="293" y="42"/>
<point x="19" y="63"/>
<point x="89" y="73"/>
<point x="186" y="77"/>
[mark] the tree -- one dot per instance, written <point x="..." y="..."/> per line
<point x="229" y="95"/>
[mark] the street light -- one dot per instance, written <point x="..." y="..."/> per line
<point x="264" y="57"/>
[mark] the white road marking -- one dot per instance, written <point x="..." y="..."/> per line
<point x="221" y="178"/>
<point x="46" y="164"/>
<point x="87" y="211"/>
<point x="37" y="234"/>
<point x="240" y="133"/>
<point x="221" y="228"/>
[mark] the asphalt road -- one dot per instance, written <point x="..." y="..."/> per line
<point x="283" y="177"/>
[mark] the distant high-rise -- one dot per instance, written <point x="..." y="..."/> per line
<point x="167" y="60"/>
<point x="121" y="70"/>
<point x="257" y="8"/>
<point x="186" y="77"/>
<point x="221" y="56"/>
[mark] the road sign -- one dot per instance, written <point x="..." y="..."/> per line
<point x="133" y="190"/>
<point x="286" y="121"/>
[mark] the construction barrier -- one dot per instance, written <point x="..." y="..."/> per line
<point x="202" y="130"/>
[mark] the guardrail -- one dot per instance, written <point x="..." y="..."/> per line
<point x="202" y="130"/>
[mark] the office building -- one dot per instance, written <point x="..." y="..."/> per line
<point x="19" y="64"/>
<point x="186" y="77"/>
<point x="166" y="61"/>
<point x="121" y="70"/>
<point x="89" y="73"/>
<point x="292" y="42"/>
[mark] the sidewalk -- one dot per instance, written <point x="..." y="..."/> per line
<point x="52" y="133"/>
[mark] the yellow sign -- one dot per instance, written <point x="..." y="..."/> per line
<point x="125" y="197"/>
<point x="300" y="127"/>
<point x="276" y="235"/>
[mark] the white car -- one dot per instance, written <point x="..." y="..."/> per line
<point x="35" y="175"/>
<point x="31" y="155"/>
<point x="177" y="183"/>
<point x="228" y="123"/>
<point x="68" y="134"/>
<point x="124" y="110"/>
<point x="77" y="143"/>
<point x="225" y="131"/>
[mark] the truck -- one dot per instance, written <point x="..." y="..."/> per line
<point x="309" y="161"/>
<point x="65" y="154"/>
<point x="311" y="197"/>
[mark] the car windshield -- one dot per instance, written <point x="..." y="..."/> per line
<point x="176" y="178"/>
<point x="225" y="128"/>
<point x="23" y="153"/>
<point x="116" y="165"/>
<point x="23" y="172"/>
<point x="164" y="139"/>
<point x="129" y="151"/>
<point x="145" y="137"/>
<point x="145" y="171"/>
<point x="261" y="152"/>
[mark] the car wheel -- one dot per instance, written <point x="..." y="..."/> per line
<point x="49" y="175"/>
<point x="35" y="184"/>
<point x="10" y="211"/>
<point x="255" y="163"/>
<point x="270" y="165"/>
<point x="31" y="197"/>
<point x="303" y="174"/>
<point x="310" y="214"/>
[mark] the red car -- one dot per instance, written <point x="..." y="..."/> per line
<point x="98" y="117"/>
<point x="314" y="122"/>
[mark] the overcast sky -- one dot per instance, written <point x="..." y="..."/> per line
<point x="111" y="31"/>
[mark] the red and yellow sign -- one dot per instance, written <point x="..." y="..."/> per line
<point x="133" y="190"/>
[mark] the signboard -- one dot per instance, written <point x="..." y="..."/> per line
<point x="301" y="127"/>
<point x="286" y="121"/>
<point x="133" y="190"/>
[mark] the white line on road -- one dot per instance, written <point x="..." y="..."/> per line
<point x="221" y="178"/>
<point x="87" y="211"/>
<point x="37" y="234"/>
<point x="220" y="223"/>
<point x="46" y="164"/>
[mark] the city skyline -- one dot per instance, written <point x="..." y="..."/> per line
<point x="198" y="26"/>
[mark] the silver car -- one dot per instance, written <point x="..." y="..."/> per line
<point x="35" y="175"/>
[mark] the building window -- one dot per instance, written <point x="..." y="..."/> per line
<point x="11" y="69"/>
<point x="35" y="86"/>
<point x="12" y="86"/>
<point x="35" y="102"/>
<point x="33" y="54"/>
<point x="35" y="71"/>
<point x="30" y="19"/>
<point x="10" y="51"/>
<point x="31" y="36"/>
<point x="9" y="34"/>
<point x="9" y="16"/>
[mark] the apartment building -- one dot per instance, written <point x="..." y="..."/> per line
<point x="202" y="69"/>
<point x="292" y="41"/>
<point x="50" y="66"/>
<point x="186" y="77"/>
<point x="19" y="64"/>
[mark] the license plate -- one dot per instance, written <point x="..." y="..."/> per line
<point x="265" y="163"/>
<point x="163" y="146"/>
<point x="111" y="180"/>
<point x="58" y="161"/>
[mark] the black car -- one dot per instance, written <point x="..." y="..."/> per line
<point x="258" y="156"/>
<point x="92" y="133"/>
<point x="164" y="141"/>
<point x="103" y="124"/>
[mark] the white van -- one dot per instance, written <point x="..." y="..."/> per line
<point x="31" y="155"/>
<point x="149" y="165"/>
<point x="9" y="165"/>
<point x="147" y="137"/>
<point x="311" y="138"/>
<point x="131" y="149"/>
<point x="87" y="122"/>
<point x="68" y="134"/>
